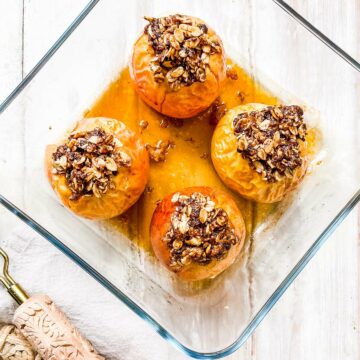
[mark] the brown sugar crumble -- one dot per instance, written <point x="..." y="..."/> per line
<point x="269" y="140"/>
<point x="199" y="231"/>
<point x="89" y="160"/>
<point x="182" y="49"/>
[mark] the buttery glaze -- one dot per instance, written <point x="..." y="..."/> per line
<point x="188" y="163"/>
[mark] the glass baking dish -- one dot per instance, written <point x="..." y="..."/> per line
<point x="292" y="60"/>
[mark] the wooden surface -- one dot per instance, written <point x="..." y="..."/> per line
<point x="318" y="317"/>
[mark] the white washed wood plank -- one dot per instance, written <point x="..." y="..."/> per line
<point x="338" y="19"/>
<point x="10" y="76"/>
<point x="10" y="45"/>
<point x="44" y="22"/>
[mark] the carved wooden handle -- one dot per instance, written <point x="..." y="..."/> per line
<point x="50" y="332"/>
<point x="13" y="345"/>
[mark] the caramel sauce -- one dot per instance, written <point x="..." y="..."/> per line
<point x="188" y="163"/>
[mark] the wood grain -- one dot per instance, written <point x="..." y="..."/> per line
<point x="318" y="317"/>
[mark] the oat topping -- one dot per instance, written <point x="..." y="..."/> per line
<point x="158" y="152"/>
<point x="89" y="160"/>
<point x="269" y="140"/>
<point x="182" y="49"/>
<point x="199" y="231"/>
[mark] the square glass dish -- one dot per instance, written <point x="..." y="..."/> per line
<point x="288" y="59"/>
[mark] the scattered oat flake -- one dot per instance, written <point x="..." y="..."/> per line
<point x="158" y="152"/>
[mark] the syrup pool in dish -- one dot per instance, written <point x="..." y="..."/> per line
<point x="182" y="147"/>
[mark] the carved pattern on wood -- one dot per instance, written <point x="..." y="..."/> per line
<point x="13" y="345"/>
<point x="50" y="332"/>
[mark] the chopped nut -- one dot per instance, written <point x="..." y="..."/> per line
<point x="203" y="215"/>
<point x="179" y="35"/>
<point x="269" y="140"/>
<point x="182" y="49"/>
<point x="186" y="260"/>
<point x="194" y="242"/>
<point x="94" y="139"/>
<point x="268" y="146"/>
<point x="264" y="125"/>
<point x="242" y="143"/>
<point x="188" y="210"/>
<point x="261" y="154"/>
<point x="110" y="164"/>
<point x="183" y="227"/>
<point x="175" y="197"/>
<point x="177" y="72"/>
<point x="63" y="161"/>
<point x="177" y="244"/>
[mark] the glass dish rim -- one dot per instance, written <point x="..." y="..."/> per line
<point x="279" y="291"/>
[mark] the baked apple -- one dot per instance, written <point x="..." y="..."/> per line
<point x="100" y="169"/>
<point x="178" y="64"/>
<point x="260" y="151"/>
<point x="197" y="232"/>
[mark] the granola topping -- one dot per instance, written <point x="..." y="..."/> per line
<point x="269" y="140"/>
<point x="182" y="49"/>
<point x="89" y="160"/>
<point x="199" y="231"/>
